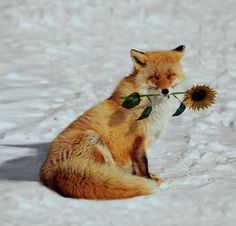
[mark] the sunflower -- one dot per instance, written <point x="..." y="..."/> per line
<point x="199" y="97"/>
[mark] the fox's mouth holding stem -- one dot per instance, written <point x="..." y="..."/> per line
<point x="134" y="100"/>
<point x="196" y="98"/>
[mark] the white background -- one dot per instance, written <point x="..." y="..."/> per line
<point x="58" y="58"/>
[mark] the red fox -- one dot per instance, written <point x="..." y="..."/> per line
<point x="102" y="154"/>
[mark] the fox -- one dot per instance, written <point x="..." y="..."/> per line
<point x="103" y="153"/>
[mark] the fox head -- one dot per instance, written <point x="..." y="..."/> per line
<point x="158" y="71"/>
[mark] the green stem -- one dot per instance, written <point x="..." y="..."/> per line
<point x="149" y="95"/>
<point x="149" y="99"/>
<point x="176" y="93"/>
<point x="155" y="94"/>
<point x="176" y="98"/>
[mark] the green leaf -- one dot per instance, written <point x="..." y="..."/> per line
<point x="131" y="101"/>
<point x="180" y="110"/>
<point x="146" y="112"/>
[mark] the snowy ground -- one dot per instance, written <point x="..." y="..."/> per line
<point x="58" y="58"/>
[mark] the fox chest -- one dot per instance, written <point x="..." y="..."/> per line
<point x="159" y="119"/>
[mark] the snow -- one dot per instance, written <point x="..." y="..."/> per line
<point x="58" y="58"/>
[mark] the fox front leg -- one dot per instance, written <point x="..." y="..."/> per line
<point x="140" y="161"/>
<point x="139" y="158"/>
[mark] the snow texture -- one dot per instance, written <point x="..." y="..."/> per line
<point x="58" y="58"/>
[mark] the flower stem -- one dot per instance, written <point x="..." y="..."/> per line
<point x="176" y="93"/>
<point x="176" y="98"/>
<point x="157" y="94"/>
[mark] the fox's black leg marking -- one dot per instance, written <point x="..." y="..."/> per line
<point x="139" y="158"/>
<point x="144" y="166"/>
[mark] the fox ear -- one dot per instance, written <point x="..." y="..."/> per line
<point x="180" y="48"/>
<point x="179" y="52"/>
<point x="139" y="58"/>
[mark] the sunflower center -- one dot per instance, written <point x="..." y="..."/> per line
<point x="199" y="95"/>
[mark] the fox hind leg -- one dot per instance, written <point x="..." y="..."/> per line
<point x="100" y="152"/>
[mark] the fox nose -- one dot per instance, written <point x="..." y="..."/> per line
<point x="165" y="91"/>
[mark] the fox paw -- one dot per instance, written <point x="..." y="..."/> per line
<point x="158" y="180"/>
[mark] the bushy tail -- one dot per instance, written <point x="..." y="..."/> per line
<point x="91" y="180"/>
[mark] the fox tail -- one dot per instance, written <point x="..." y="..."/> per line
<point x="93" y="180"/>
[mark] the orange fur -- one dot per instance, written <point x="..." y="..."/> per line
<point x="92" y="157"/>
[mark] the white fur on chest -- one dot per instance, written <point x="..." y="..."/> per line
<point x="160" y="116"/>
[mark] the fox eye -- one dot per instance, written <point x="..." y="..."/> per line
<point x="170" y="76"/>
<point x="155" y="76"/>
